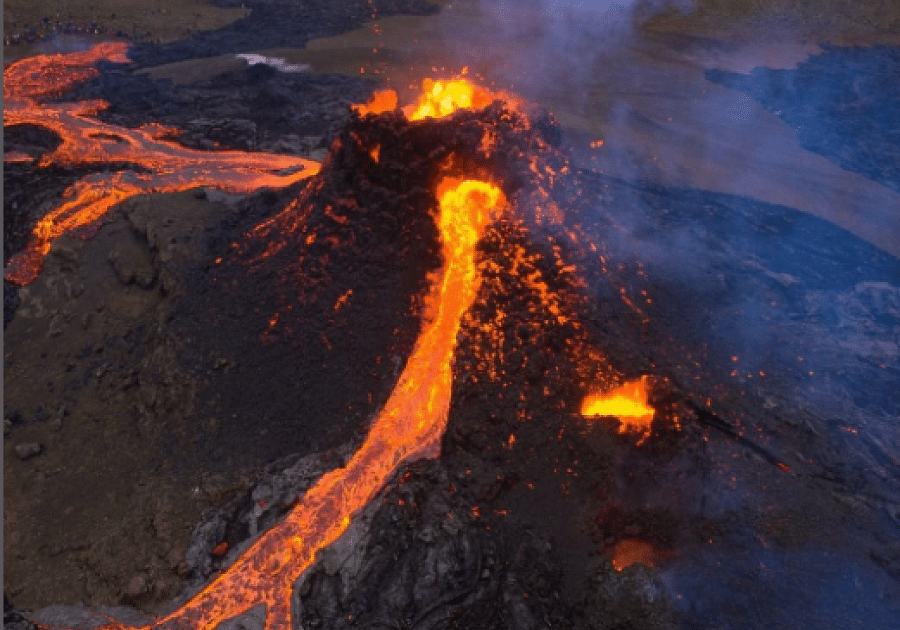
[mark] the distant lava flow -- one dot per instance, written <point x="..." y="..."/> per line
<point x="150" y="163"/>
<point x="409" y="427"/>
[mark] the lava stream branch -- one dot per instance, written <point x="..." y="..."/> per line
<point x="157" y="165"/>
<point x="409" y="427"/>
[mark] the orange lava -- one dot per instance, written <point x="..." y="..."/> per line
<point x="381" y="101"/>
<point x="438" y="99"/>
<point x="50" y="76"/>
<point x="163" y="166"/>
<point x="442" y="98"/>
<point x="409" y="427"/>
<point x="627" y="402"/>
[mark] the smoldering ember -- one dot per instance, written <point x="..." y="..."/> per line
<point x="561" y="318"/>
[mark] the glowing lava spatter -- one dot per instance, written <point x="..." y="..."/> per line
<point x="442" y="98"/>
<point x="162" y="166"/>
<point x="627" y="402"/>
<point x="409" y="426"/>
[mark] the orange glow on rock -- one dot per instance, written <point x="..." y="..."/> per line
<point x="409" y="427"/>
<point x="165" y="166"/>
<point x="627" y="402"/>
<point x="631" y="551"/>
<point x="342" y="300"/>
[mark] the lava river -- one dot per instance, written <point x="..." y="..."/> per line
<point x="409" y="427"/>
<point x="155" y="165"/>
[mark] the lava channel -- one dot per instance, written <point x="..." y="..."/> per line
<point x="158" y="165"/>
<point x="409" y="427"/>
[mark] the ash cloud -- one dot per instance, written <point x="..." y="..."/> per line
<point x="549" y="46"/>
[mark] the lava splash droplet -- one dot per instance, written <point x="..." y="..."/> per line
<point x="628" y="403"/>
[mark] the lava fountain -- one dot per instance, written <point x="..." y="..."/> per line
<point x="154" y="165"/>
<point x="437" y="99"/>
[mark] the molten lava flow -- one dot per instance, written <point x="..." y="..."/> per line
<point x="50" y="76"/>
<point x="409" y="426"/>
<point x="628" y="403"/>
<point x="159" y="165"/>
<point x="437" y="99"/>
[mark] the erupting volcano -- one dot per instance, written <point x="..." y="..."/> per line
<point x="467" y="366"/>
<point x="470" y="190"/>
